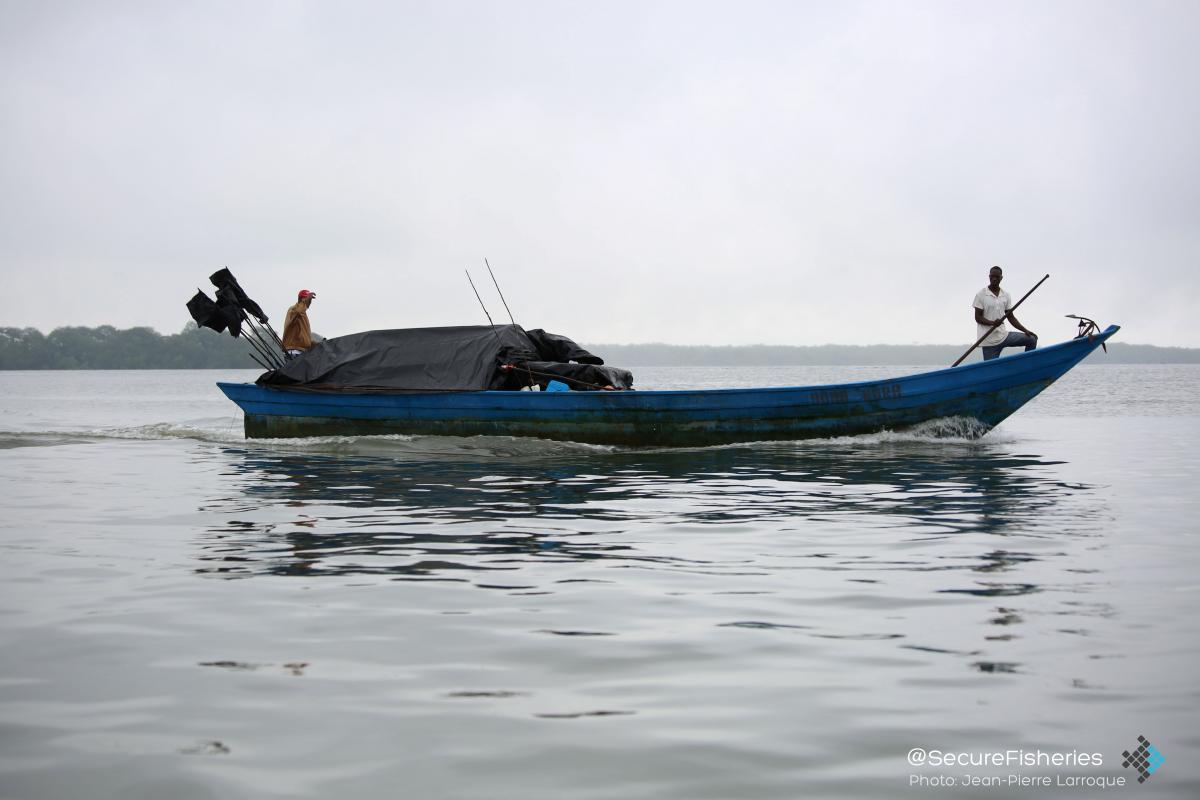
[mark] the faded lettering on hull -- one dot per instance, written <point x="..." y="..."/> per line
<point x="886" y="391"/>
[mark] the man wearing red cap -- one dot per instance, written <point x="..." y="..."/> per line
<point x="297" y="336"/>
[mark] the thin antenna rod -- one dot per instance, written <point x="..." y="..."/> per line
<point x="495" y="332"/>
<point x="502" y="300"/>
<point x="480" y="299"/>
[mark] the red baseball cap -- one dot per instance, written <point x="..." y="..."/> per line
<point x="305" y="293"/>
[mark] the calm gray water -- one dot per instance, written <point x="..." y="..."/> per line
<point x="187" y="614"/>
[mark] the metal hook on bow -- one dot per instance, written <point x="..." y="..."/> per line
<point x="1088" y="328"/>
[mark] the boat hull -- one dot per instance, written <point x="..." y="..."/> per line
<point x="986" y="392"/>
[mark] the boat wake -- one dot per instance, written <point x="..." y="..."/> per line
<point x="964" y="429"/>
<point x="227" y="431"/>
<point x="153" y="432"/>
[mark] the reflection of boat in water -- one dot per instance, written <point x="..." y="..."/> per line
<point x="987" y="392"/>
<point x="462" y="509"/>
<point x="833" y="540"/>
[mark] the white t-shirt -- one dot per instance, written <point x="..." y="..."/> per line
<point x="994" y="308"/>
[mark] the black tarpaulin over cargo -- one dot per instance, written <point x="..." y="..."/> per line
<point x="465" y="357"/>
<point x="552" y="347"/>
<point x="459" y="357"/>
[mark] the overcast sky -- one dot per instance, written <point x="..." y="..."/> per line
<point x="691" y="173"/>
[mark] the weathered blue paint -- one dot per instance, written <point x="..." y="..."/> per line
<point x="987" y="391"/>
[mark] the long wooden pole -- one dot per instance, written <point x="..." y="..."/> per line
<point x="998" y="322"/>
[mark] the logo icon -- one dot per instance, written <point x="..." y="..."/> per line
<point x="1145" y="759"/>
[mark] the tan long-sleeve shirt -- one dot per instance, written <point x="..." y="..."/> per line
<point x="296" y="333"/>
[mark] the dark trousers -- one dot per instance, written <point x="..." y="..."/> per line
<point x="1013" y="339"/>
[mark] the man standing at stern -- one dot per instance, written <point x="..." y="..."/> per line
<point x="992" y="305"/>
<point x="297" y="335"/>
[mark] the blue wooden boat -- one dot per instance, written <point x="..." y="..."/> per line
<point x="985" y="391"/>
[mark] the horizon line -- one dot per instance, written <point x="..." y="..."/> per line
<point x="656" y="344"/>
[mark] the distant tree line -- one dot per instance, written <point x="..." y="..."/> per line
<point x="106" y="347"/>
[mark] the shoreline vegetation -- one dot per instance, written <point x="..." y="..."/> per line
<point x="105" y="347"/>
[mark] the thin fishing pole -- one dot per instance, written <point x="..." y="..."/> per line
<point x="499" y="341"/>
<point x="502" y="300"/>
<point x="528" y="373"/>
<point x="256" y="345"/>
<point x="253" y="341"/>
<point x="261" y="364"/>
<point x="481" y="305"/>
<point x="272" y="343"/>
<point x="267" y="344"/>
<point x="274" y="335"/>
<point x="258" y="341"/>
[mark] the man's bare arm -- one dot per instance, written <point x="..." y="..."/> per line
<point x="1016" y="324"/>
<point x="980" y="319"/>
